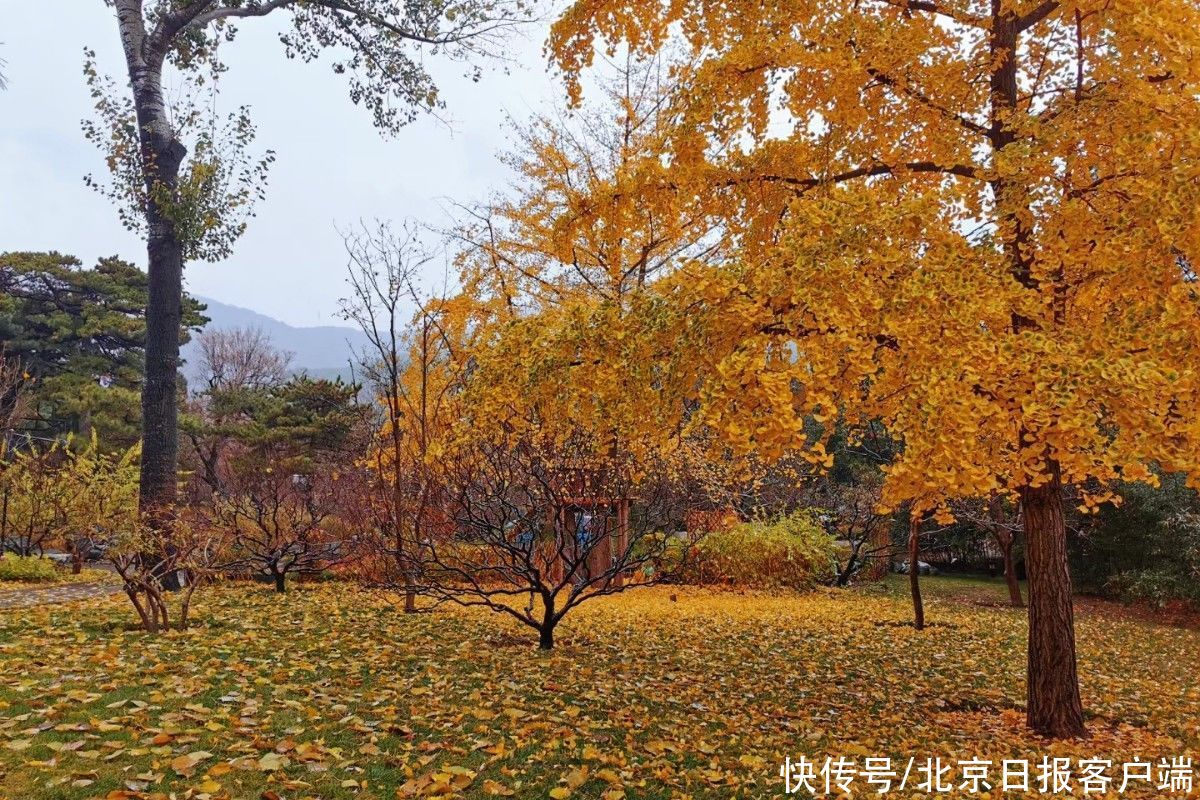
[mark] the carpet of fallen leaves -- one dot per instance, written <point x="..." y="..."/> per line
<point x="330" y="692"/>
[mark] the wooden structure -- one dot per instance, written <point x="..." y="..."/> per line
<point x="590" y="524"/>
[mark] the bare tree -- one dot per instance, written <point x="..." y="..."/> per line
<point x="241" y="358"/>
<point x="850" y="513"/>
<point x="532" y="532"/>
<point x="273" y="458"/>
<point x="1005" y="525"/>
<point x="409" y="363"/>
<point x="234" y="364"/>
<point x="281" y="523"/>
<point x="196" y="556"/>
<point x="1001" y="518"/>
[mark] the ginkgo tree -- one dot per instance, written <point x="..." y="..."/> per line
<point x="970" y="220"/>
<point x="556" y="272"/>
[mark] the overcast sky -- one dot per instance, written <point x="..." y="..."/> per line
<point x="332" y="167"/>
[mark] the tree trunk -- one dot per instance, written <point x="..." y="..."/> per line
<point x="410" y="593"/>
<point x="4" y="524"/>
<point x="149" y="623"/>
<point x="162" y="153"/>
<point x="546" y="636"/>
<point x="914" y="572"/>
<point x="403" y="554"/>
<point x="1006" y="539"/>
<point x="549" y="621"/>
<point x="280" y="582"/>
<point x="1054" y="707"/>
<point x="1010" y="572"/>
<point x="160" y="424"/>
<point x="160" y="442"/>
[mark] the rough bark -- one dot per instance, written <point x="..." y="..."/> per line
<point x="1053" y="703"/>
<point x="160" y="441"/>
<point x="914" y="572"/>
<point x="280" y="582"/>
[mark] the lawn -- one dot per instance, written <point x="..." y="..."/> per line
<point x="62" y="576"/>
<point x="329" y="692"/>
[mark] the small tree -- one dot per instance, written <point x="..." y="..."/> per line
<point x="533" y="530"/>
<point x="34" y="499"/>
<point x="914" y="569"/>
<point x="98" y="499"/>
<point x="238" y="369"/>
<point x="272" y="460"/>
<point x="240" y="358"/>
<point x="1001" y="519"/>
<point x="850" y="513"/>
<point x="409" y="365"/>
<point x="196" y="556"/>
<point x="278" y="519"/>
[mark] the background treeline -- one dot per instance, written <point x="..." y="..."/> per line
<point x="259" y="441"/>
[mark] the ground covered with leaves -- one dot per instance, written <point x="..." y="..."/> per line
<point x="330" y="692"/>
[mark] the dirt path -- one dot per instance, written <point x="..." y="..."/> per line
<point x="63" y="593"/>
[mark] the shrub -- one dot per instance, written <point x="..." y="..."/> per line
<point x="1176" y="575"/>
<point x="788" y="552"/>
<point x="26" y="568"/>
<point x="1146" y="549"/>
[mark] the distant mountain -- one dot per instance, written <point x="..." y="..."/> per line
<point x="322" y="351"/>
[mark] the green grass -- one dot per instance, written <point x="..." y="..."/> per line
<point x="646" y="696"/>
<point x="977" y="588"/>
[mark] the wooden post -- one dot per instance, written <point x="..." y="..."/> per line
<point x="556" y="554"/>
<point x="600" y="559"/>
<point x="622" y="536"/>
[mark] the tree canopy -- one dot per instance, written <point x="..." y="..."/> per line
<point x="990" y="258"/>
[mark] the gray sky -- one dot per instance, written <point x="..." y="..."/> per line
<point x="332" y="167"/>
